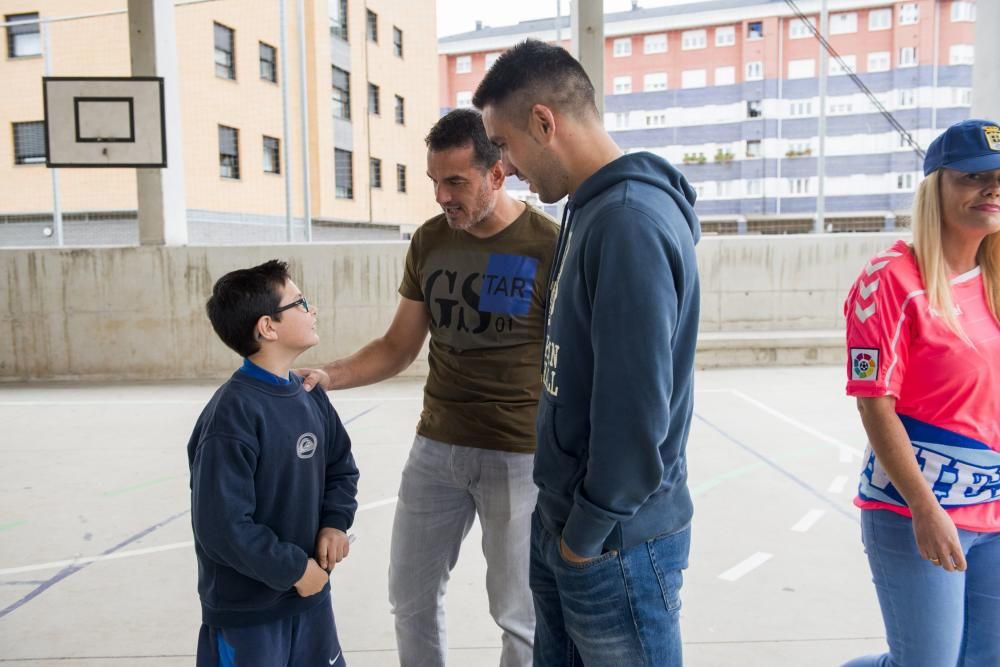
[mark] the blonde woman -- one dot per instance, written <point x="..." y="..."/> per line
<point x="923" y="337"/>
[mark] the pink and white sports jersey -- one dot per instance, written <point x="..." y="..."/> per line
<point x="947" y="392"/>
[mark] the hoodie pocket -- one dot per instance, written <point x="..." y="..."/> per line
<point x="558" y="468"/>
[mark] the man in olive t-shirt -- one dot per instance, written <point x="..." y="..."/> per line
<point x="475" y="278"/>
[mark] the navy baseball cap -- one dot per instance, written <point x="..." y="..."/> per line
<point x="970" y="146"/>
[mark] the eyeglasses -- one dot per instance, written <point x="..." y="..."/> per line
<point x="298" y="302"/>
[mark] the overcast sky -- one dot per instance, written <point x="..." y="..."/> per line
<point x="455" y="16"/>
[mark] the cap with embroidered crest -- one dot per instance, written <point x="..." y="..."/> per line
<point x="969" y="146"/>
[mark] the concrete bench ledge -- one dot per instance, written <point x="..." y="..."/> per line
<point x="726" y="349"/>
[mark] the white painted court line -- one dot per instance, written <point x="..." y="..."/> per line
<point x="838" y="484"/>
<point x="843" y="447"/>
<point x="808" y="521"/>
<point x="54" y="565"/>
<point x="748" y="565"/>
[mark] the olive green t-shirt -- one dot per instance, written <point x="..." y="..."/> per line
<point x="485" y="298"/>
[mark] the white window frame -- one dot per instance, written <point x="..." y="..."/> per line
<point x="799" y="108"/>
<point x="654" y="81"/>
<point x="694" y="39"/>
<point x="622" y="47"/>
<point x="725" y="76"/>
<point x="906" y="98"/>
<point x="491" y="58"/>
<point x="880" y="19"/>
<point x="758" y="153"/>
<point x="463" y="99"/>
<point x="882" y="61"/>
<point x="802" y="68"/>
<point x="905" y="182"/>
<point x="655" y="43"/>
<point x="909" y="13"/>
<point x="799" y="29"/>
<point x="911" y="58"/>
<point x="622" y="85"/>
<point x="463" y="64"/>
<point x="725" y="36"/>
<point x="754" y="71"/>
<point x="962" y="11"/>
<point x="836" y="70"/>
<point x="961" y="54"/>
<point x="843" y="23"/>
<point x="689" y="74"/>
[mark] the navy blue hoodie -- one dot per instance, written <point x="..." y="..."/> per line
<point x="270" y="465"/>
<point x="618" y="367"/>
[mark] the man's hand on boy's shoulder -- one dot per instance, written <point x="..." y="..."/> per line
<point x="313" y="580"/>
<point x="312" y="377"/>
<point x="332" y="546"/>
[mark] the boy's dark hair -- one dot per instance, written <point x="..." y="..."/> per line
<point x="242" y="297"/>
<point x="533" y="72"/>
<point x="458" y="129"/>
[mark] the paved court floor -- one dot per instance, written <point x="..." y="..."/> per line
<point x="97" y="568"/>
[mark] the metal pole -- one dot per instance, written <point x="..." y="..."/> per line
<point x="934" y="67"/>
<point x="781" y="115"/>
<point x="824" y="26"/>
<point x="986" y="77"/>
<point x="558" y="22"/>
<point x="283" y="45"/>
<point x="57" y="220"/>
<point x="304" y="109"/>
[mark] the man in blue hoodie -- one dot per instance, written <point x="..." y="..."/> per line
<point x="611" y="530"/>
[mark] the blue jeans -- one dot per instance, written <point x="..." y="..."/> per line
<point x="620" y="609"/>
<point x="444" y="488"/>
<point x="933" y="618"/>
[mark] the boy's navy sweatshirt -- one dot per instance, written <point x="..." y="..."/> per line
<point x="271" y="464"/>
<point x="622" y="323"/>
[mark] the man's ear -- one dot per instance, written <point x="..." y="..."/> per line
<point x="542" y="124"/>
<point x="265" y="328"/>
<point x="497" y="174"/>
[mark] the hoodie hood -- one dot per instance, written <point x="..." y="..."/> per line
<point x="647" y="168"/>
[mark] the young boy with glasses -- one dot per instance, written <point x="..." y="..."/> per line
<point x="273" y="485"/>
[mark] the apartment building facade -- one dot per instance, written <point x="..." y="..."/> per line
<point x="729" y="92"/>
<point x="371" y="84"/>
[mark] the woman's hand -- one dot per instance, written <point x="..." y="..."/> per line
<point x="937" y="538"/>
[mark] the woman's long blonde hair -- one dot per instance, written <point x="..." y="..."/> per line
<point x="927" y="222"/>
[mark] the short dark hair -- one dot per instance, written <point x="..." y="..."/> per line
<point x="242" y="297"/>
<point x="458" y="129"/>
<point x="533" y="72"/>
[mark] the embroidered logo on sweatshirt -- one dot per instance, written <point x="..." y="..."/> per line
<point x="306" y="446"/>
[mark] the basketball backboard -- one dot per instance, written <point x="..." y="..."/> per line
<point x="104" y="122"/>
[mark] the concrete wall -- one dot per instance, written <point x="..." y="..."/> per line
<point x="138" y="313"/>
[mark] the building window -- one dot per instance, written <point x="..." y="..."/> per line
<point x="880" y="19"/>
<point x="622" y="47"/>
<point x="268" y="63"/>
<point x="725" y="36"/>
<point x="375" y="172"/>
<point x="840" y="107"/>
<point x="225" y="64"/>
<point x="799" y="186"/>
<point x="397" y="42"/>
<point x="725" y="76"/>
<point x="905" y="182"/>
<point x="341" y="93"/>
<point x="693" y="39"/>
<point x="693" y="78"/>
<point x="622" y="85"/>
<point x="906" y="98"/>
<point x="753" y="148"/>
<point x="755" y="71"/>
<point x="801" y="69"/>
<point x="754" y="187"/>
<point x="850" y="63"/>
<point x="842" y="24"/>
<point x="962" y="97"/>
<point x="463" y="99"/>
<point x="907" y="57"/>
<point x="490" y="58"/>
<point x="373" y="100"/>
<point x="755" y="30"/>
<point x="372" y="26"/>
<point x="963" y="11"/>
<point x="799" y="149"/>
<point x="29" y="142"/>
<point x="400" y="111"/>
<point x="658" y="119"/>
<point x="338" y="19"/>
<point x="654" y="81"/>
<point x="799" y="29"/>
<point x="755" y="109"/>
<point x="654" y="44"/>
<point x="800" y="108"/>
<point x="400" y="178"/>
<point x="961" y="54"/>
<point x="23" y="40"/>
<point x="879" y="61"/>
<point x="909" y="13"/>
<point x="463" y="64"/>
<point x="229" y="152"/>
<point x="343" y="173"/>
<point x="272" y="156"/>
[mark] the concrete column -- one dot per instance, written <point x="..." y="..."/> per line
<point x="587" y="28"/>
<point x="985" y="73"/>
<point x="161" y="200"/>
